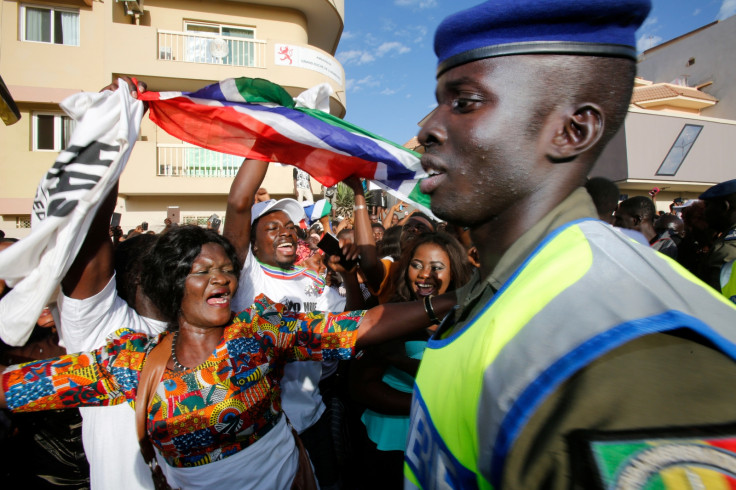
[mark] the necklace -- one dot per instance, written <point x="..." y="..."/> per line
<point x="177" y="365"/>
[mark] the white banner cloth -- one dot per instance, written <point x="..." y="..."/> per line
<point x="66" y="201"/>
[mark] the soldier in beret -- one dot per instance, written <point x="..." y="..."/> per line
<point x="576" y="358"/>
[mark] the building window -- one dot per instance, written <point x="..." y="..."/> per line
<point x="50" y="25"/>
<point x="51" y="131"/>
<point x="23" y="221"/>
<point x="195" y="220"/>
<point x="681" y="147"/>
<point x="220" y="44"/>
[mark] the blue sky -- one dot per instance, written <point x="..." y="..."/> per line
<point x="386" y="50"/>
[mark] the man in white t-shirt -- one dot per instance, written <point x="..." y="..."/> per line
<point x="264" y="234"/>
<point x="90" y="310"/>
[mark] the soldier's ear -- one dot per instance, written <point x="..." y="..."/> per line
<point x="577" y="131"/>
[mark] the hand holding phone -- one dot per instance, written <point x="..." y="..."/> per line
<point x="331" y="246"/>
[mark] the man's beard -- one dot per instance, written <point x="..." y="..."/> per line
<point x="286" y="265"/>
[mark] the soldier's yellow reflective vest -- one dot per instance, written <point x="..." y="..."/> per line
<point x="584" y="291"/>
<point x="728" y="280"/>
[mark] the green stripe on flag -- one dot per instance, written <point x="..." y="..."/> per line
<point x="340" y="123"/>
<point x="416" y="196"/>
<point x="259" y="90"/>
<point x="419" y="197"/>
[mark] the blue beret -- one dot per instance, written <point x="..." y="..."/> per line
<point x="723" y="189"/>
<point x="511" y="27"/>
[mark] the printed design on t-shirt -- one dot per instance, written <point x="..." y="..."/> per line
<point x="313" y="289"/>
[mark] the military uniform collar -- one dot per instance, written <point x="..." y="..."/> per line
<point x="577" y="205"/>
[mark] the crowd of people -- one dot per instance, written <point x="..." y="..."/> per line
<point x="504" y="341"/>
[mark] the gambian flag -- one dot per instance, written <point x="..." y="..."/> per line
<point x="317" y="210"/>
<point x="257" y="119"/>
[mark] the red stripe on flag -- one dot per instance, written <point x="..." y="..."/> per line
<point x="226" y="130"/>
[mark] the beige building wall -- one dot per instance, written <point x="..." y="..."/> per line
<point x="114" y="42"/>
<point x="635" y="155"/>
<point x="704" y="57"/>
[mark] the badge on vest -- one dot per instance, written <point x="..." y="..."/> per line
<point x="692" y="457"/>
<point x="731" y="235"/>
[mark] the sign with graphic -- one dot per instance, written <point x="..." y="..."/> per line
<point x="311" y="59"/>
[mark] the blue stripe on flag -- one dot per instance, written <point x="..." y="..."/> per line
<point x="338" y="138"/>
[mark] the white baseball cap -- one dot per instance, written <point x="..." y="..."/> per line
<point x="291" y="207"/>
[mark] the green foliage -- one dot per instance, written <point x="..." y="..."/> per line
<point x="344" y="201"/>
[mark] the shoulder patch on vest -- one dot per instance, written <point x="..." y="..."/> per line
<point x="731" y="235"/>
<point x="683" y="457"/>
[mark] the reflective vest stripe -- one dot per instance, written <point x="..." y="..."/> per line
<point x="728" y="280"/>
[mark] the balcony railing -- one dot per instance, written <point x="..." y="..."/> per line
<point x="183" y="160"/>
<point x="211" y="49"/>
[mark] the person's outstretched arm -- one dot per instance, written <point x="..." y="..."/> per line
<point x="394" y="320"/>
<point x="390" y="213"/>
<point x="83" y="379"/>
<point x="94" y="265"/>
<point x="372" y="268"/>
<point x="239" y="201"/>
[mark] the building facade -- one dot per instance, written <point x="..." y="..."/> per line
<point x="680" y="134"/>
<point x="52" y="49"/>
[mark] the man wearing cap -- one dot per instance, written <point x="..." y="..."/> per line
<point x="264" y="235"/>
<point x="575" y="352"/>
<point x="720" y="213"/>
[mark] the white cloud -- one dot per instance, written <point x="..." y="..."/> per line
<point x="649" y="23"/>
<point x="347" y="35"/>
<point x="388" y="91"/>
<point x="728" y="8"/>
<point x="389" y="25"/>
<point x="647" y="41"/>
<point x="371" y="40"/>
<point x="363" y="56"/>
<point x="696" y="12"/>
<point x="422" y="4"/>
<point x="354" y="85"/>
<point x="646" y="34"/>
<point x="412" y="33"/>
<point x="355" y="57"/>
<point x="388" y="47"/>
<point x="421" y="33"/>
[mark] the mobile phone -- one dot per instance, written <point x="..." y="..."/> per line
<point x="115" y="221"/>
<point x="331" y="246"/>
<point x="173" y="214"/>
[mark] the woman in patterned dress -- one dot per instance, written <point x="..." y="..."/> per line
<point x="216" y="416"/>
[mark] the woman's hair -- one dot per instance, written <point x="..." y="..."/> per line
<point x="390" y="246"/>
<point x="460" y="268"/>
<point x="167" y="265"/>
<point x="419" y="214"/>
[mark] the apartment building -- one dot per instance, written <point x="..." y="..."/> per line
<point x="680" y="134"/>
<point x="52" y="49"/>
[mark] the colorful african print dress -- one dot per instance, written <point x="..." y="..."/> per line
<point x="202" y="414"/>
